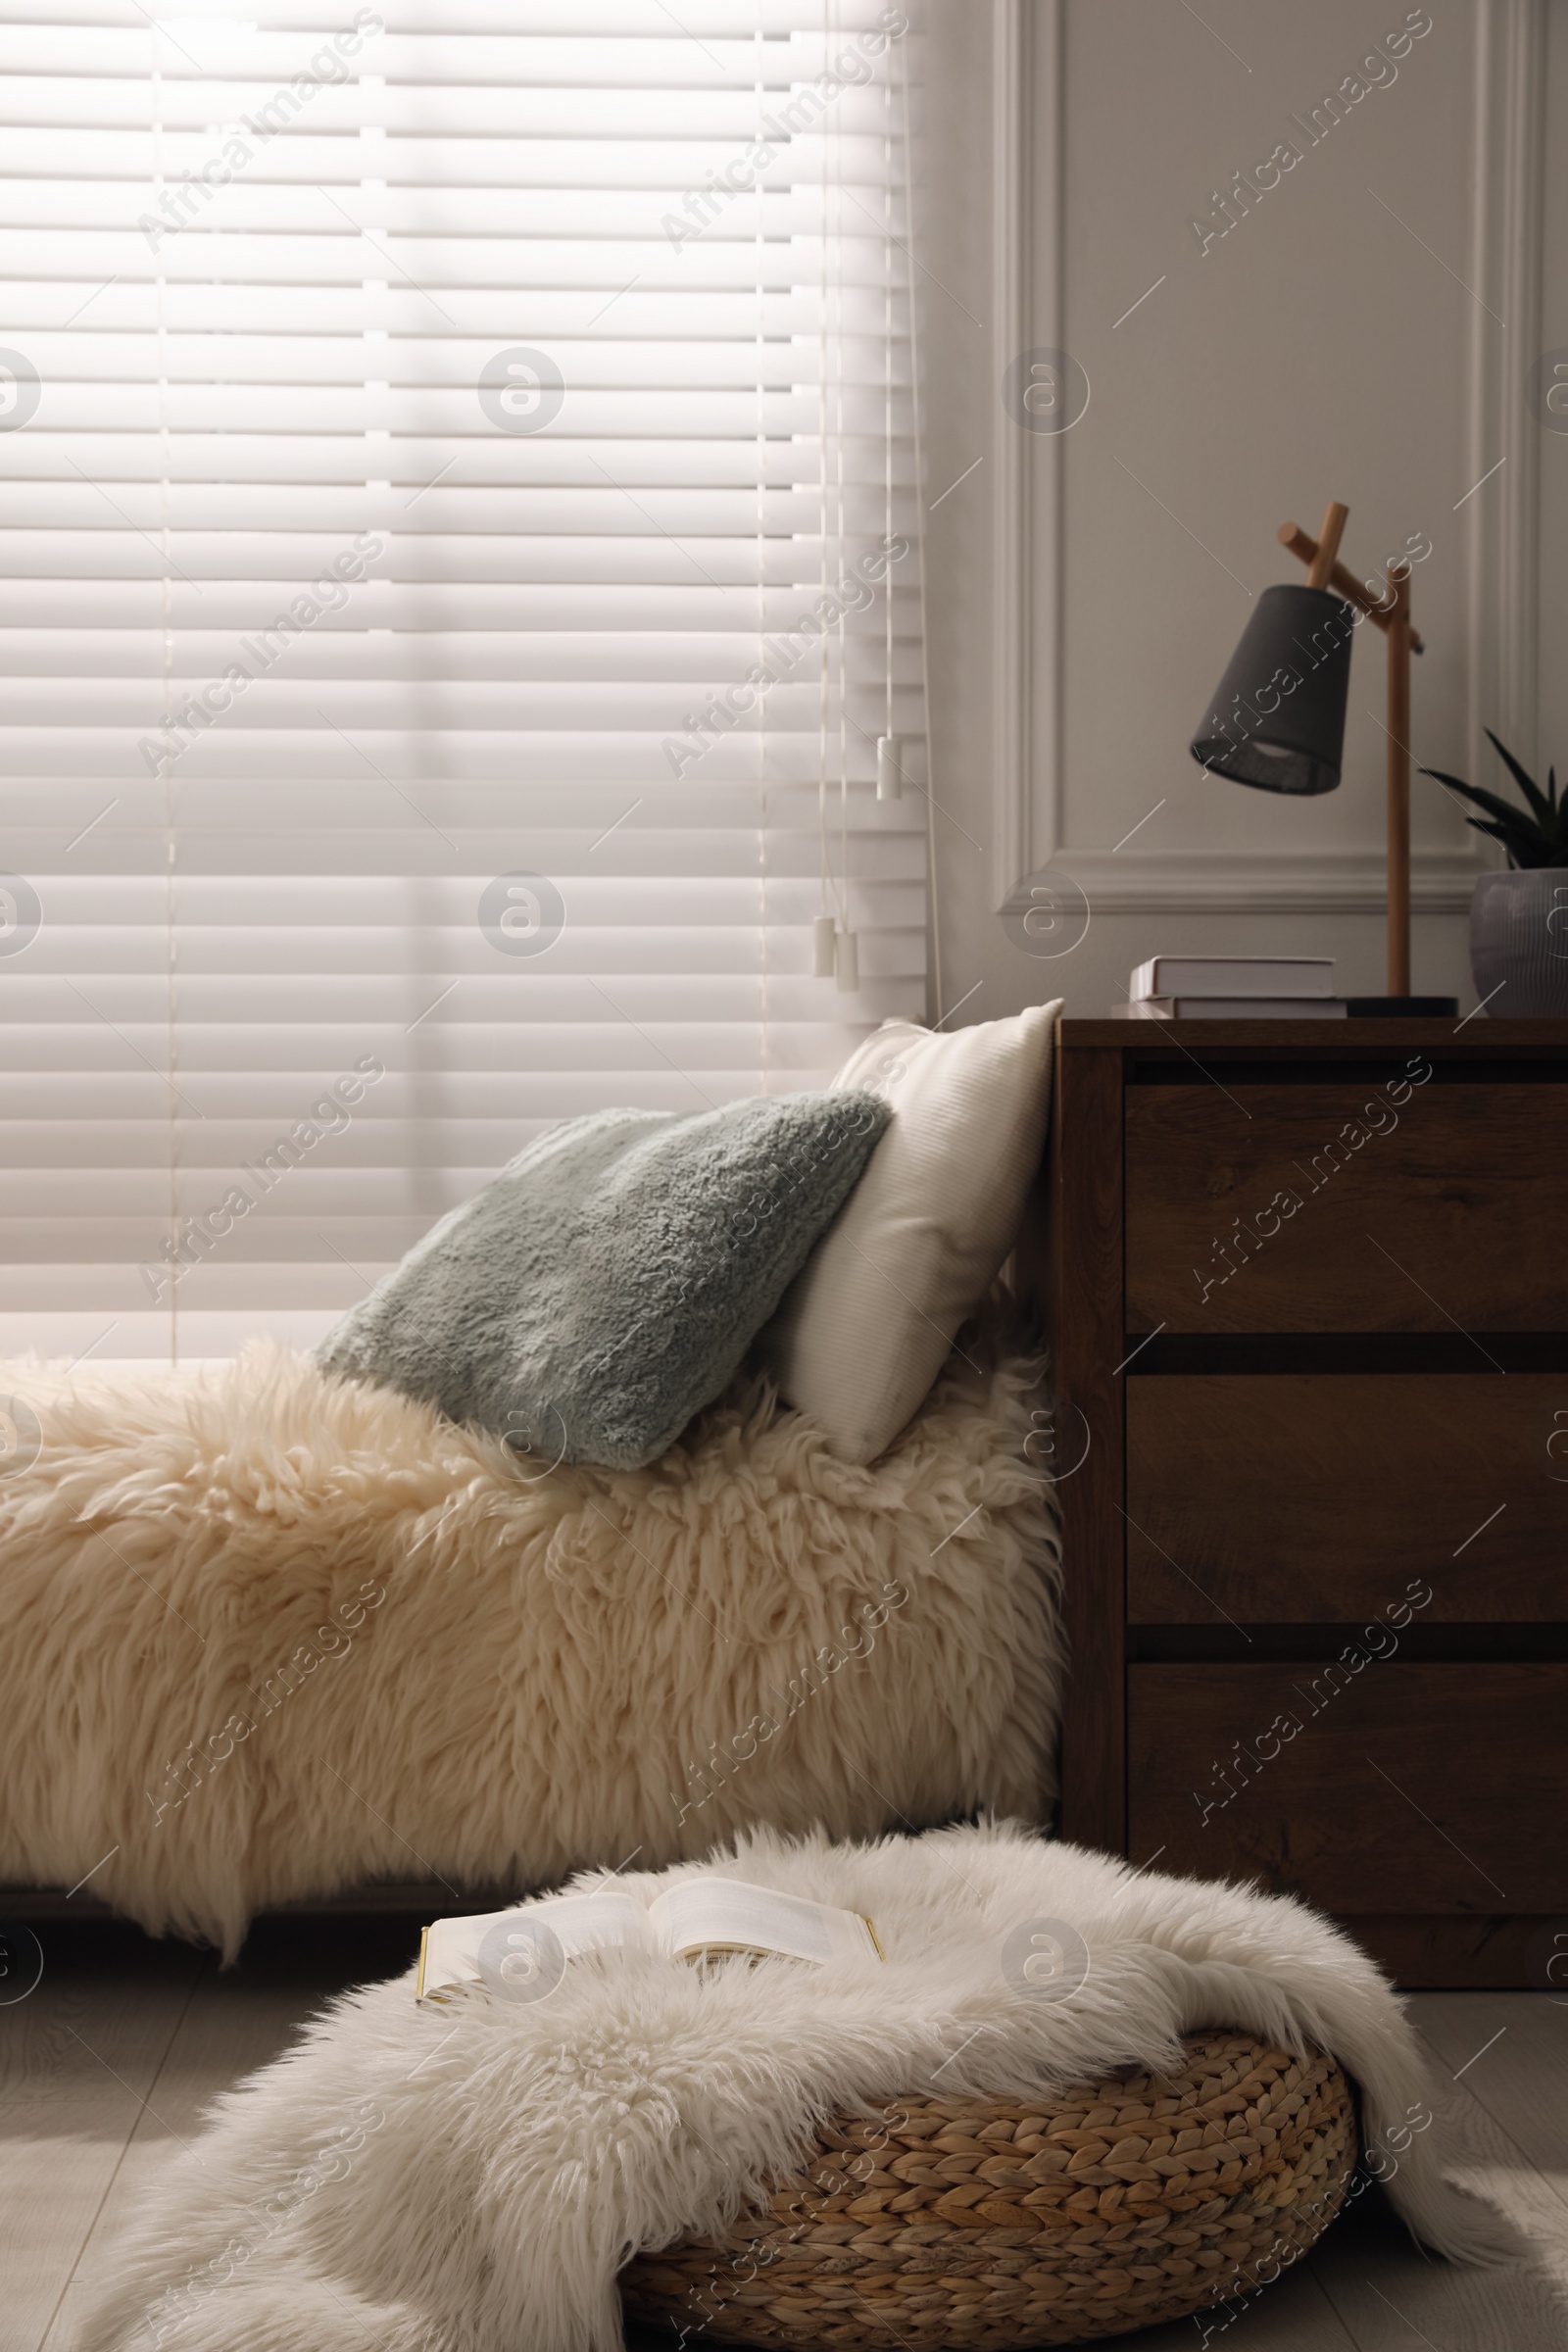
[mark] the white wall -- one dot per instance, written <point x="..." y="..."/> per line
<point x="1552" y="729"/>
<point x="1323" y="348"/>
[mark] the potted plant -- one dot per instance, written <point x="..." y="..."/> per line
<point x="1519" y="917"/>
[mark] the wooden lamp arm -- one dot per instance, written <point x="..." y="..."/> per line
<point x="1399" y="634"/>
<point x="1320" y="569"/>
<point x="1344" y="583"/>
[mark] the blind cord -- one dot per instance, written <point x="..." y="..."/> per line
<point x="166" y="724"/>
<point x="759" y="50"/>
<point x="918" y="533"/>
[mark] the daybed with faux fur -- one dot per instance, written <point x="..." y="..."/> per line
<point x="272" y="1635"/>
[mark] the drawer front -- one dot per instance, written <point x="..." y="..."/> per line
<point x="1314" y="1498"/>
<point x="1401" y="1788"/>
<point x="1328" y="1209"/>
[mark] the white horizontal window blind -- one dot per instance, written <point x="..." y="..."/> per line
<point x="461" y="606"/>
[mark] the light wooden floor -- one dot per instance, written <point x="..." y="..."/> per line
<point x="113" y="2057"/>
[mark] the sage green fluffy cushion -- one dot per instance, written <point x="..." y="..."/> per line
<point x="604" y="1286"/>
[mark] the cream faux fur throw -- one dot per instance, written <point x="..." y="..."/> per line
<point x="472" y="2178"/>
<point x="270" y="1633"/>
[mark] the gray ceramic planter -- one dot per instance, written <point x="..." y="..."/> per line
<point x="1519" y="942"/>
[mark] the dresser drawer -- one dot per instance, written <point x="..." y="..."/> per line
<point x="1399" y="1788"/>
<point x="1398" y="1207"/>
<point x="1307" y="1498"/>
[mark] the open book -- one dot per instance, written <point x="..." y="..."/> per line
<point x="521" y="1953"/>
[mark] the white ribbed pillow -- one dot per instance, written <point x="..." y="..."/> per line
<point x="865" y="1325"/>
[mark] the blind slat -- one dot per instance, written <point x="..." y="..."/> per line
<point x="461" y="551"/>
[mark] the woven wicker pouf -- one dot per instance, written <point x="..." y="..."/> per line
<point x="985" y="2224"/>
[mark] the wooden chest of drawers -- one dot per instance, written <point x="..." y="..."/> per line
<point x="1310" y="1301"/>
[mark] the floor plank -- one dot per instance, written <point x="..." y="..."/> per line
<point x="1510" y="2051"/>
<point x="79" y="2059"/>
<point x="1389" y="2293"/>
<point x="223" y="2036"/>
<point x="1391" y="2296"/>
<point x="237" y="2019"/>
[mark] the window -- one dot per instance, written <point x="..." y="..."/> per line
<point x="461" y="561"/>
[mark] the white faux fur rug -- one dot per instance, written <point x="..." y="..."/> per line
<point x="269" y="1634"/>
<point x="470" y="2180"/>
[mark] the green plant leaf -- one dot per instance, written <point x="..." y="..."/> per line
<point x="1504" y="811"/>
<point x="1526" y="784"/>
<point x="1521" y="854"/>
<point x="1511" y="827"/>
<point x="1535" y="835"/>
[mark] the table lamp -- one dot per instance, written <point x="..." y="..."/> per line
<point x="1278" y="717"/>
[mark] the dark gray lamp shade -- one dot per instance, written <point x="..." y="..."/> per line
<point x="1278" y="717"/>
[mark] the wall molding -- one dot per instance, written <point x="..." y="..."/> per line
<point x="1284" y="882"/>
<point x="1009" y="584"/>
<point x="1029" y="139"/>
<point x="1502" y="520"/>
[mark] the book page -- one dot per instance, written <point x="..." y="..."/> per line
<point x="584" y="1923"/>
<point x="728" y="1914"/>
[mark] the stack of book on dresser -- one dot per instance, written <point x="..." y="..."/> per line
<point x="1233" y="988"/>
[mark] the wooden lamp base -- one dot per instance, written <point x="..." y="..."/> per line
<point x="1400" y="1009"/>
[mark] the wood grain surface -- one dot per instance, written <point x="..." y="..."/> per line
<point x="1086" y="1358"/>
<point x="1333" y="1208"/>
<point x="1402" y="1789"/>
<point x="1300" y="1497"/>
